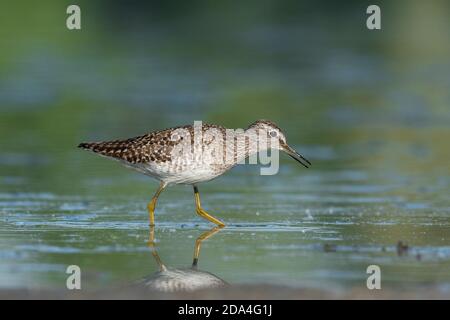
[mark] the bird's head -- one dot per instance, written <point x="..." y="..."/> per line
<point x="274" y="132"/>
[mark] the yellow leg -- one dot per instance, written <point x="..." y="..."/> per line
<point x="152" y="204"/>
<point x="202" y="213"/>
<point x="199" y="240"/>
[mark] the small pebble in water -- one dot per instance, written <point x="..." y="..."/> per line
<point x="402" y="249"/>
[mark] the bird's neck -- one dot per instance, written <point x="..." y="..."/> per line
<point x="248" y="145"/>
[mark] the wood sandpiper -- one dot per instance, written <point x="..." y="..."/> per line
<point x="193" y="153"/>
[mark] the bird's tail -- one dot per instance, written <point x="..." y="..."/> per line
<point x="104" y="148"/>
<point x="87" y="145"/>
<point x="114" y="149"/>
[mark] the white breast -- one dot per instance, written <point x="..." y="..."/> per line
<point x="180" y="174"/>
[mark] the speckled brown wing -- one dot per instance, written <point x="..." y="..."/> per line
<point x="151" y="147"/>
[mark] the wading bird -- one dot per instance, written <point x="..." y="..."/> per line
<point x="192" y="154"/>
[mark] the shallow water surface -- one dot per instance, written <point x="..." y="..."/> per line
<point x="317" y="228"/>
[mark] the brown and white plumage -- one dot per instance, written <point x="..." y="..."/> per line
<point x="151" y="154"/>
<point x="157" y="153"/>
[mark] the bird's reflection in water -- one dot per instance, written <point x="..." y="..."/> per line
<point x="169" y="279"/>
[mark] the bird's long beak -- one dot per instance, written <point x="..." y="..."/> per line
<point x="295" y="155"/>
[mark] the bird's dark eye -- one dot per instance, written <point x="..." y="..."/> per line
<point x="273" y="134"/>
